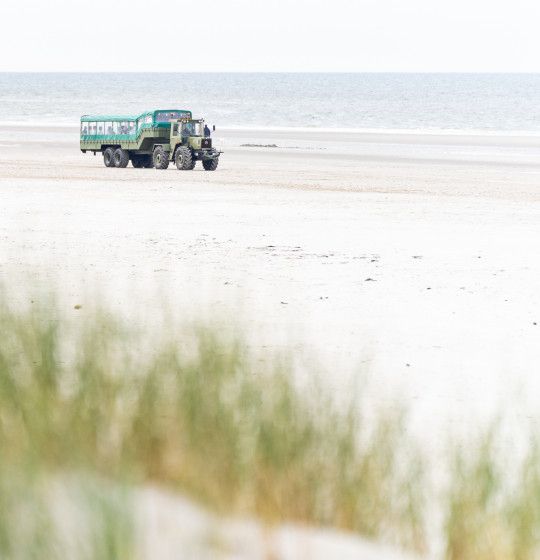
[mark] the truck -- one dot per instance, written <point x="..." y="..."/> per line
<point x="151" y="139"/>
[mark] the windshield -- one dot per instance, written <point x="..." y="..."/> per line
<point x="167" y="116"/>
<point x="192" y="128"/>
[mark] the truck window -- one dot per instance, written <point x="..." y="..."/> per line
<point x="131" y="127"/>
<point x="167" y="116"/>
<point x="100" y="128"/>
<point x="84" y="129"/>
<point x="109" y="128"/>
<point x="92" y="128"/>
<point x="115" y="127"/>
<point x="148" y="119"/>
<point x="123" y="129"/>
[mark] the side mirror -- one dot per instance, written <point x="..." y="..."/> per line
<point x="214" y="127"/>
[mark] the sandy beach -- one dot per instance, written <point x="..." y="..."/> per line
<point x="319" y="343"/>
<point x="412" y="256"/>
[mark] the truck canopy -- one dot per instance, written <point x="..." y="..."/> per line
<point x="157" y="116"/>
<point x="104" y="126"/>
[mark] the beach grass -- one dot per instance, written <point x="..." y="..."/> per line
<point x="493" y="501"/>
<point x="83" y="397"/>
<point x="91" y="408"/>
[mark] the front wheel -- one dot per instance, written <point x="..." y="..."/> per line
<point x="183" y="158"/>
<point x="210" y="164"/>
<point x="161" y="158"/>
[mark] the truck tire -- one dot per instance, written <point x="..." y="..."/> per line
<point x="183" y="158"/>
<point x="148" y="162"/>
<point x="121" y="158"/>
<point x="161" y="158"/>
<point x="108" y="157"/>
<point x="210" y="164"/>
<point x="192" y="166"/>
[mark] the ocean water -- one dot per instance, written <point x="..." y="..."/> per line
<point x="470" y="102"/>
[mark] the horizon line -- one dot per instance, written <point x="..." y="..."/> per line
<point x="417" y="72"/>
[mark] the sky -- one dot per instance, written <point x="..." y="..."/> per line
<point x="270" y="35"/>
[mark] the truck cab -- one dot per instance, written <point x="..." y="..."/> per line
<point x="188" y="144"/>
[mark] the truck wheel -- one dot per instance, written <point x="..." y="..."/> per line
<point x="210" y="164"/>
<point x="183" y="158"/>
<point x="148" y="163"/>
<point x="192" y="166"/>
<point x="137" y="161"/>
<point x="108" y="157"/>
<point x="161" y="158"/>
<point x="121" y="157"/>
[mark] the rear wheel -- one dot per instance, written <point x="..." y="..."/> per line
<point x="121" y="157"/>
<point x="108" y="157"/>
<point x="192" y="166"/>
<point x="210" y="164"/>
<point x="161" y="158"/>
<point x="183" y="158"/>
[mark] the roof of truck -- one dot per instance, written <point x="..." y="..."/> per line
<point x="86" y="118"/>
<point x="89" y="118"/>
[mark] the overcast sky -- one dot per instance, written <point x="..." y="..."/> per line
<point x="270" y="35"/>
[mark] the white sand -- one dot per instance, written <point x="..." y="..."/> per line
<point x="172" y="524"/>
<point x="284" y="241"/>
<point x="170" y="527"/>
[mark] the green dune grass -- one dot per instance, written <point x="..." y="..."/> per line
<point x="190" y="411"/>
<point x="493" y="502"/>
<point x="85" y="399"/>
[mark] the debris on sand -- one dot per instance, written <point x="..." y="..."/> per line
<point x="259" y="146"/>
<point x="284" y="147"/>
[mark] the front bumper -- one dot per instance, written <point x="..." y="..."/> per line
<point x="205" y="154"/>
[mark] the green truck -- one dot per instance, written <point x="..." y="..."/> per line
<point x="152" y="139"/>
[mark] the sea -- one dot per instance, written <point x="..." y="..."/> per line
<point x="418" y="102"/>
